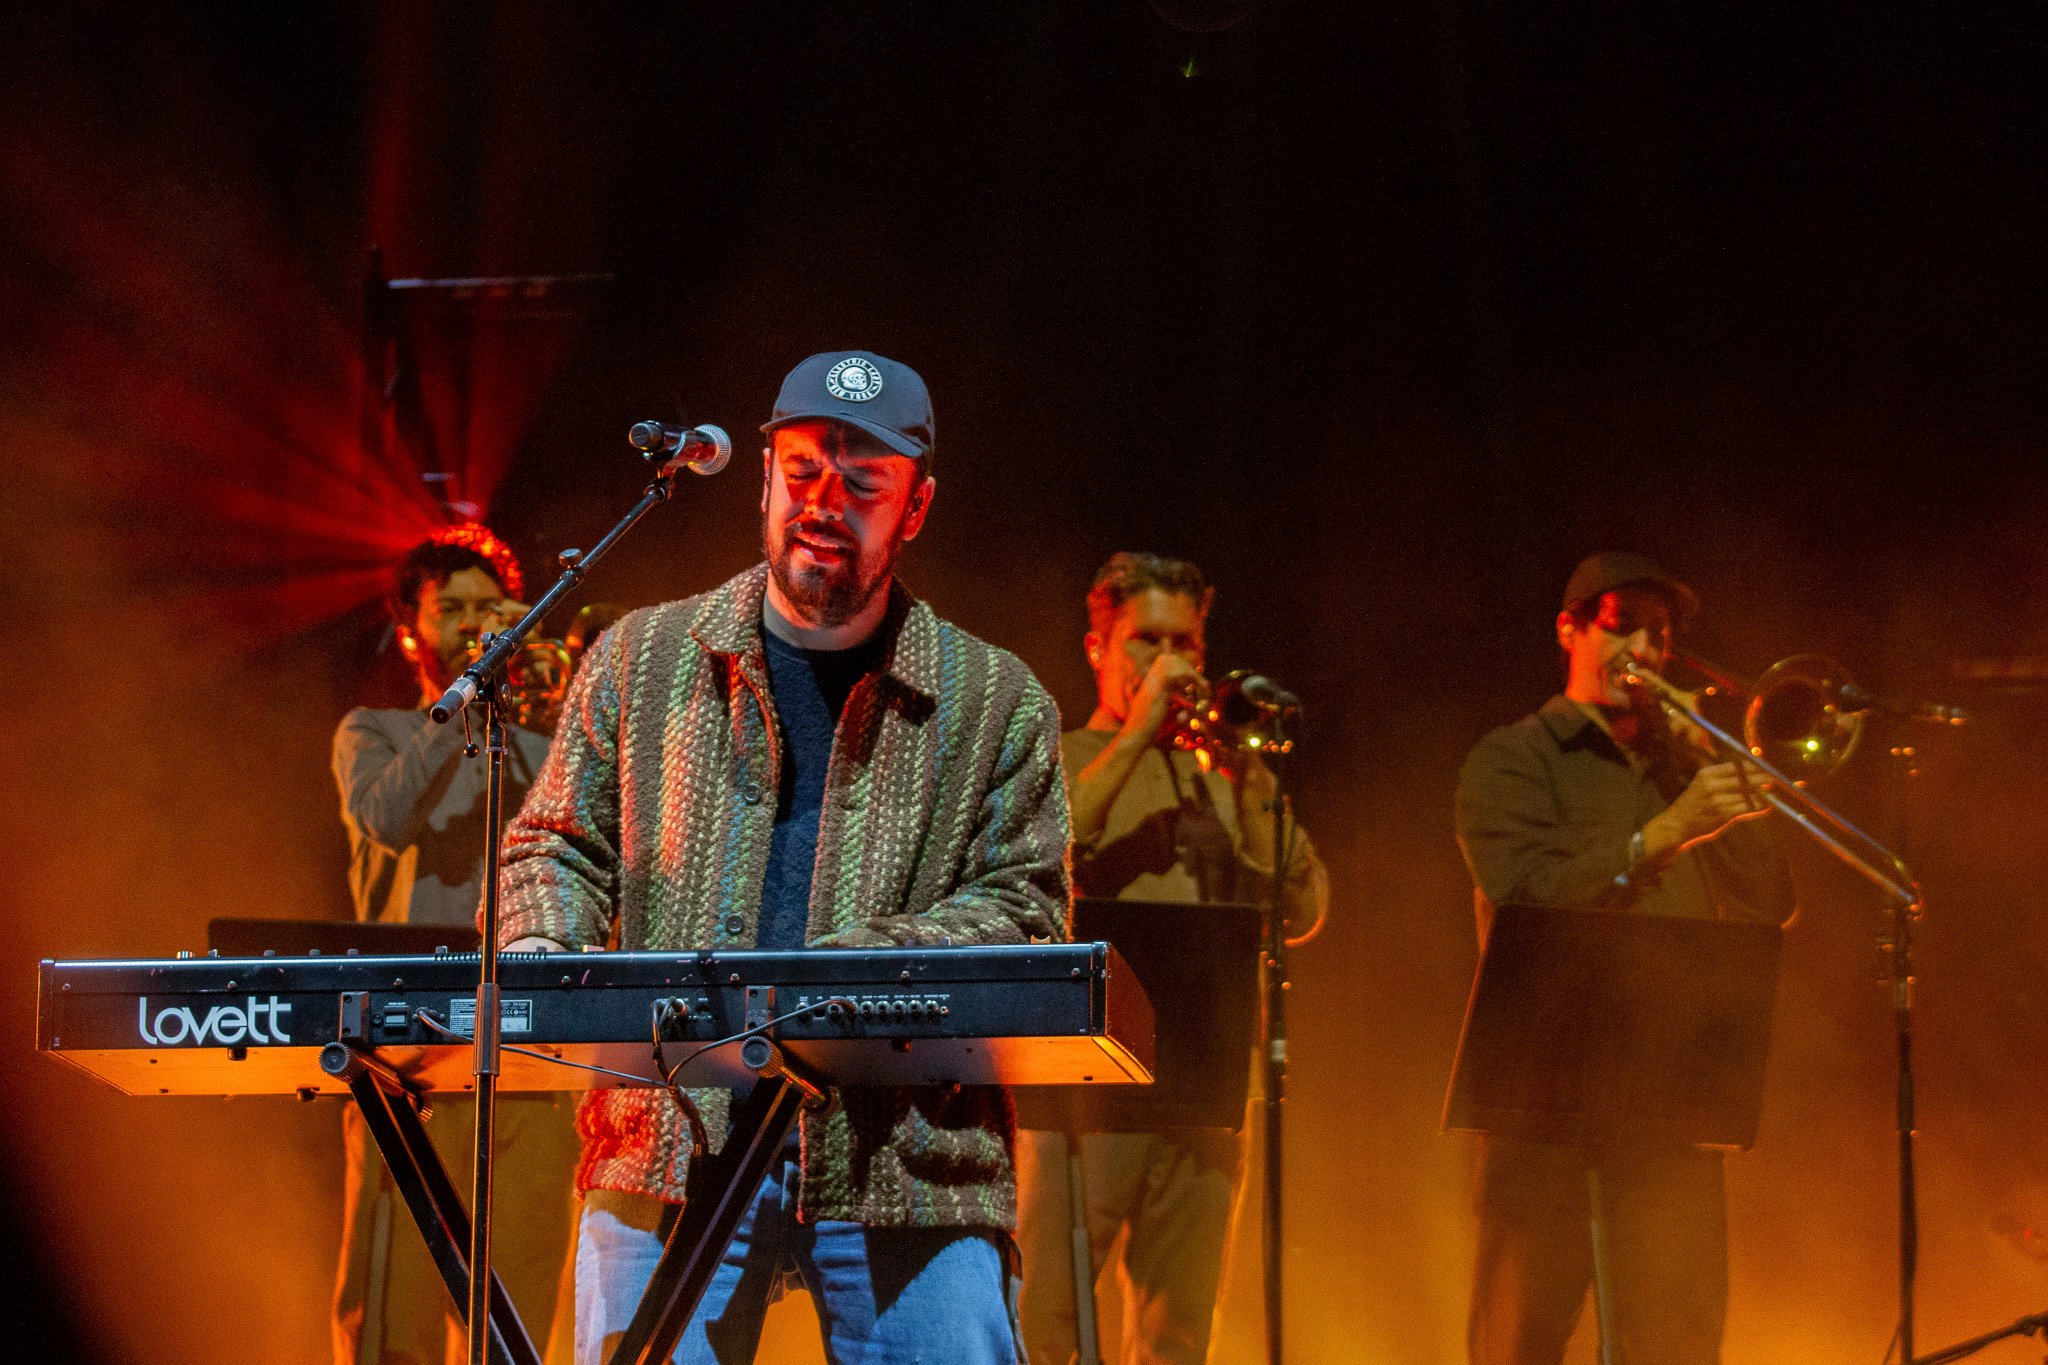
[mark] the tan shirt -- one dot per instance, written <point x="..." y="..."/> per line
<point x="1134" y="855"/>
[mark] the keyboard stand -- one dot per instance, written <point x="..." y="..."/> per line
<point x="392" y="1113"/>
<point x="720" y="1190"/>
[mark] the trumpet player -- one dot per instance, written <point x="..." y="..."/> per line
<point x="1594" y="803"/>
<point x="413" y="805"/>
<point x="1151" y="822"/>
<point x="414" y="809"/>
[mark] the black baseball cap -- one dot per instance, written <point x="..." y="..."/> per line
<point x="883" y="397"/>
<point x="1613" y="569"/>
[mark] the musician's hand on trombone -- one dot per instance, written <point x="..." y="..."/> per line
<point x="1718" y="796"/>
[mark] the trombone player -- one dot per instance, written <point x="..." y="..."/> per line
<point x="1593" y="803"/>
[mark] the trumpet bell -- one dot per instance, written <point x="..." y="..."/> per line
<point x="536" y="679"/>
<point x="1228" y="724"/>
<point x="1795" y="719"/>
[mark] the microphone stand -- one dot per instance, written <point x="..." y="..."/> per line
<point x="1898" y="947"/>
<point x="1901" y="950"/>
<point x="1273" y="992"/>
<point x="480" y="682"/>
<point x="2033" y="1325"/>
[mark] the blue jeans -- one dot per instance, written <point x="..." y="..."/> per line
<point x="885" y="1296"/>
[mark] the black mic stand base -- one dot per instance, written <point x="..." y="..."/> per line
<point x="2036" y="1325"/>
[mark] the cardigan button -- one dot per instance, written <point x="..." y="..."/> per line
<point x="735" y="925"/>
<point x="750" y="792"/>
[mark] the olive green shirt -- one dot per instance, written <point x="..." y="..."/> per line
<point x="1546" y="810"/>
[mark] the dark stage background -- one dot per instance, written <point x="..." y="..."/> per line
<point x="1385" y="314"/>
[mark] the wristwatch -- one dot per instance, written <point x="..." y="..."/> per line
<point x="1635" y="860"/>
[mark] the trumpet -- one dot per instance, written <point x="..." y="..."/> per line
<point x="535" y="681"/>
<point x="1800" y="716"/>
<point x="1243" y="714"/>
<point x="537" y="676"/>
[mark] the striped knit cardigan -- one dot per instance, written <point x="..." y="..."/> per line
<point x="945" y="822"/>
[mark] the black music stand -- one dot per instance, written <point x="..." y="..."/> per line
<point x="1587" y="1027"/>
<point x="1200" y="962"/>
<point x="1203" y="957"/>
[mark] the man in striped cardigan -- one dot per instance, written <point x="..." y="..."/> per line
<point x="806" y="756"/>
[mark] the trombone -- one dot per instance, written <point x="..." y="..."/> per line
<point x="1798" y="712"/>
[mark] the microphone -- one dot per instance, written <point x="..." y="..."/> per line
<point x="1253" y="694"/>
<point x="460" y="693"/>
<point x="1270" y="694"/>
<point x="701" y="450"/>
<point x="1934" y="713"/>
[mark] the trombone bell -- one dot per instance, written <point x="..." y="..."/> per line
<point x="1795" y="720"/>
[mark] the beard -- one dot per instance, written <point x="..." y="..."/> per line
<point x="829" y="594"/>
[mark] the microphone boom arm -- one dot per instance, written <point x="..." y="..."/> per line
<point x="480" y="679"/>
<point x="575" y="564"/>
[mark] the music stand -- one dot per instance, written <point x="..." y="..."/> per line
<point x="1590" y="1027"/>
<point x="1199" y="963"/>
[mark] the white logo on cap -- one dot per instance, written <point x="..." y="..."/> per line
<point x="855" y="380"/>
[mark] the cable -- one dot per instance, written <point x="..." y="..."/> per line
<point x="700" y="1139"/>
<point x="1294" y="837"/>
<point x="440" y="1027"/>
<point x="664" y="1012"/>
<point x="670" y="1074"/>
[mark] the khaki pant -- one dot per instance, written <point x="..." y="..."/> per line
<point x="390" y="1304"/>
<point x="1176" y="1191"/>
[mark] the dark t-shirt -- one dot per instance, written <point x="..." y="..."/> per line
<point x="810" y="688"/>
